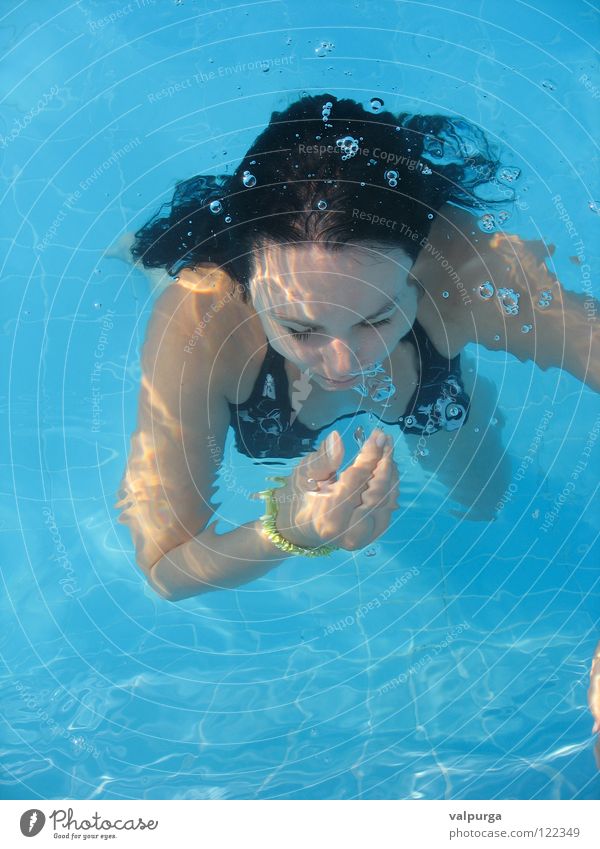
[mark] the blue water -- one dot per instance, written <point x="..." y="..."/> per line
<point x="468" y="679"/>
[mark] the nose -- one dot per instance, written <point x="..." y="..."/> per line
<point x="338" y="360"/>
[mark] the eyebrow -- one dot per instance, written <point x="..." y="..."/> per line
<point x="386" y="306"/>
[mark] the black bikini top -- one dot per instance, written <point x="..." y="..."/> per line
<point x="265" y="425"/>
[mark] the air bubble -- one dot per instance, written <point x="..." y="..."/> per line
<point x="427" y="170"/>
<point x="390" y="175"/>
<point x="549" y="85"/>
<point x="359" y="436"/>
<point x="502" y="216"/>
<point x="509" y="300"/>
<point x="487" y="223"/>
<point x="228" y="219"/>
<point x="445" y="294"/>
<point x="97" y="305"/>
<point x="409" y="421"/>
<point x="392" y="183"/>
<point x="373" y="550"/>
<point x="376" y="104"/>
<point x="486" y="290"/>
<point x="526" y="328"/>
<point x="545" y="298"/>
<point x="433" y="147"/>
<point x="216" y="207"/>
<point x="594" y="206"/>
<point x="248" y="179"/>
<point x="430" y="216"/>
<point x="496" y="338"/>
<point x="324" y="48"/>
<point x="322" y="204"/>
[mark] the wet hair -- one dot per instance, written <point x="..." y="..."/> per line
<point x="327" y="171"/>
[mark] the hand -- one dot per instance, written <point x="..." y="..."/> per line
<point x="316" y="507"/>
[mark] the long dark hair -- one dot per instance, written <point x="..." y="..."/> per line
<point x="324" y="170"/>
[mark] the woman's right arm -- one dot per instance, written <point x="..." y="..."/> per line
<point x="176" y="450"/>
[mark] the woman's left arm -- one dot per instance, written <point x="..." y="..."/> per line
<point x="529" y="314"/>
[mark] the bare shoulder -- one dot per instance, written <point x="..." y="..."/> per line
<point x="453" y="242"/>
<point x="205" y="304"/>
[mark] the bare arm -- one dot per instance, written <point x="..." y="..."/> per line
<point x="176" y="450"/>
<point x="563" y="333"/>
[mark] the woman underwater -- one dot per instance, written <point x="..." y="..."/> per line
<point x="340" y="269"/>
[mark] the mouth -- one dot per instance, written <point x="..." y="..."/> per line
<point x="340" y="384"/>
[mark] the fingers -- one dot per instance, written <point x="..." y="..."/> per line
<point x="322" y="464"/>
<point x="355" y="478"/>
<point x="379" y="500"/>
<point x="381" y="496"/>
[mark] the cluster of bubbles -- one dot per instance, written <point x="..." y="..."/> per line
<point x="594" y="206"/>
<point x="326" y="111"/>
<point x="377" y="384"/>
<point x="392" y="178"/>
<point x="324" y="48"/>
<point x="526" y="328"/>
<point x="376" y="104"/>
<point x="248" y="179"/>
<point x="509" y="300"/>
<point x="348" y="146"/>
<point x="508" y="174"/>
<point x="507" y="297"/>
<point x="545" y="298"/>
<point x="489" y="221"/>
<point x="426" y="170"/>
<point x="216" y="207"/>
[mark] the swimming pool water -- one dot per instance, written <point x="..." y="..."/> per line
<point x="451" y="659"/>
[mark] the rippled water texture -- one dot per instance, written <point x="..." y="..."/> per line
<point x="449" y="660"/>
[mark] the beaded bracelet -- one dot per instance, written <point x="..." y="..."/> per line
<point x="270" y="528"/>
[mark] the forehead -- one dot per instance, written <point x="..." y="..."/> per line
<point x="301" y="271"/>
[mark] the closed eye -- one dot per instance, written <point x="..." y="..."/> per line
<point x="302" y="336"/>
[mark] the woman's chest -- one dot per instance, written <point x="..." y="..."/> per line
<point x="316" y="407"/>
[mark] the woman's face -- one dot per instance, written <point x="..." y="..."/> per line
<point x="334" y="313"/>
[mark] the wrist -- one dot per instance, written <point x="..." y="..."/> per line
<point x="270" y="530"/>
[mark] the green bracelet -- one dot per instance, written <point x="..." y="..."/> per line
<point x="270" y="528"/>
